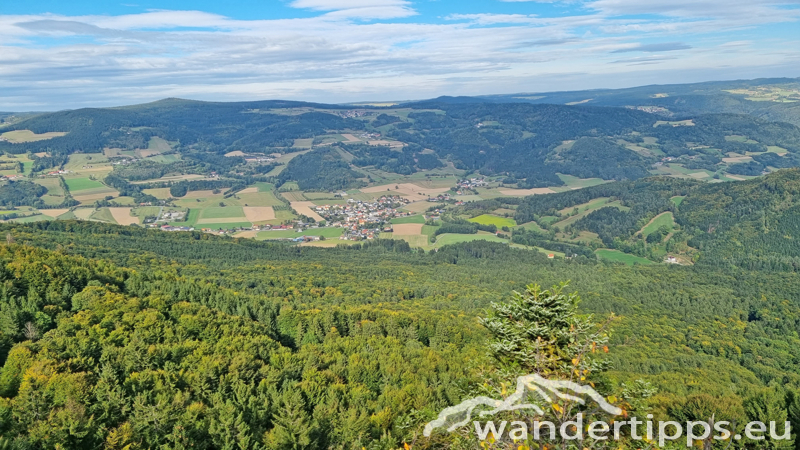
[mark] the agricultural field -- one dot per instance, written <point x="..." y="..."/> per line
<point x="679" y="123"/>
<point x="10" y="164"/>
<point x="678" y="199"/>
<point x="92" y="195"/>
<point x="618" y="256"/>
<point x="123" y="216"/>
<point x="306" y="209"/>
<point x="776" y="94"/>
<point x="220" y="226"/>
<point x="328" y="233"/>
<point x="32" y="218"/>
<point x="447" y="239"/>
<point x="294" y="196"/>
<point x="102" y="215"/>
<point x="54" y="213"/>
<point x="303" y="143"/>
<point x="186" y="177"/>
<point x="415" y="219"/>
<point x="499" y="222"/>
<point x="76" y="185"/>
<point x="225" y="214"/>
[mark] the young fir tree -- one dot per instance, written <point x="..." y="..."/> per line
<point x="539" y="331"/>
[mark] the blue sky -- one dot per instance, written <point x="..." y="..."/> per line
<point x="58" y="54"/>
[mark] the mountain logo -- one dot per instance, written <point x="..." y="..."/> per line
<point x="526" y="386"/>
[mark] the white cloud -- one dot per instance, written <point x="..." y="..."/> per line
<point x="331" y="5"/>
<point x="362" y="9"/>
<point x="338" y="56"/>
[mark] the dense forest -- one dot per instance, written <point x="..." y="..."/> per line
<point x="119" y="336"/>
<point x="20" y="193"/>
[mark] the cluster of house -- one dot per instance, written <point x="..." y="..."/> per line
<point x="363" y="219"/>
<point x="259" y="159"/>
<point x="14" y="177"/>
<point x="368" y="136"/>
<point x="439" y="198"/>
<point x="352" y="113"/>
<point x="174" y="228"/>
<point x="56" y="173"/>
<point x="472" y="183"/>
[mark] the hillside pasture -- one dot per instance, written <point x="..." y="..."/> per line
<point x="418" y="207"/>
<point x="532" y="226"/>
<point x="91" y="195"/>
<point x="303" y="143"/>
<point x="22" y="136"/>
<point x="583" y="210"/>
<point x="55" y="193"/>
<point x="52" y="184"/>
<point x="160" y="193"/>
<point x="617" y="256"/>
<point x="665" y="219"/>
<point x="573" y="182"/>
<point x="406" y="190"/>
<point x="328" y="233"/>
<point x="157" y="143"/>
<point x="489" y="219"/>
<point x="447" y="239"/>
<point x="87" y="162"/>
<point x="776" y="149"/>
<point x="526" y="192"/>
<point x="83" y="213"/>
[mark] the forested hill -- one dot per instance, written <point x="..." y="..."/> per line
<point x="526" y="144"/>
<point x="116" y="336"/>
<point x="753" y="224"/>
<point x="776" y="99"/>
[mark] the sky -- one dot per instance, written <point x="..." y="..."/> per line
<point x="57" y="54"/>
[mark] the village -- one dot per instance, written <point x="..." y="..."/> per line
<point x="361" y="220"/>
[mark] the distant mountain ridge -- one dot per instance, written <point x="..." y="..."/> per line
<point x="718" y="127"/>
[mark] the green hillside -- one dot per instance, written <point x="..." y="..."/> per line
<point x="369" y="330"/>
